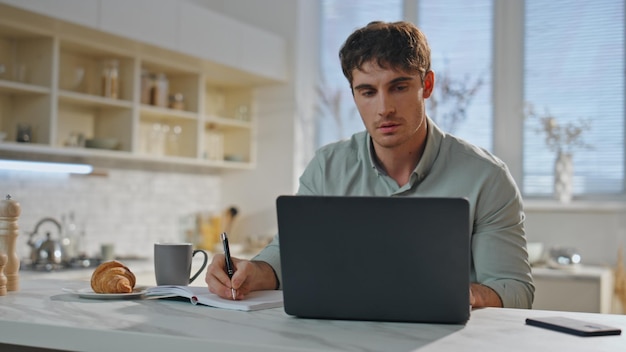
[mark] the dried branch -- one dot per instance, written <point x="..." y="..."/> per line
<point x="331" y="103"/>
<point x="560" y="137"/>
<point x="448" y="104"/>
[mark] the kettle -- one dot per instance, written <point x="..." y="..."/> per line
<point x="48" y="250"/>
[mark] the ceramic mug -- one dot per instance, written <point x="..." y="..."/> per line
<point x="172" y="263"/>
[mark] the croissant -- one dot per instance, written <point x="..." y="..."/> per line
<point x="112" y="277"/>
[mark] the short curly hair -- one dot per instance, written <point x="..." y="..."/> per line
<point x="398" y="45"/>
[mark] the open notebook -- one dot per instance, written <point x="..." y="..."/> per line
<point x="200" y="295"/>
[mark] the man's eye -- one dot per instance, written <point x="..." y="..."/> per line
<point x="401" y="87"/>
<point x="368" y="93"/>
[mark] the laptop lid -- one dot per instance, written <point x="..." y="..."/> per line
<point x="375" y="258"/>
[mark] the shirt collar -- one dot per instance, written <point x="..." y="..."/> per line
<point x="434" y="139"/>
<point x="370" y="154"/>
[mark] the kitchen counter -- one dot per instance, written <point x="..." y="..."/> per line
<point x="593" y="286"/>
<point x="142" y="268"/>
<point x="42" y="315"/>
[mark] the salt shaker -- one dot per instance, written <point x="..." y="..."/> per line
<point x="9" y="212"/>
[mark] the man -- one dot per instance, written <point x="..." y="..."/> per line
<point x="403" y="153"/>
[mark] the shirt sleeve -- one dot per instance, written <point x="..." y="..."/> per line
<point x="271" y="255"/>
<point x="499" y="252"/>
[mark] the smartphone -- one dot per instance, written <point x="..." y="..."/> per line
<point x="573" y="326"/>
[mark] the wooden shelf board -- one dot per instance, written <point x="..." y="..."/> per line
<point x="225" y="121"/>
<point x="93" y="100"/>
<point x="11" y="149"/>
<point x="18" y="88"/>
<point x="158" y="112"/>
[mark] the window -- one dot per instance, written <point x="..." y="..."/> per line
<point x="459" y="34"/>
<point x="574" y="70"/>
<point x="338" y="118"/>
<point x="573" y="60"/>
<point x="465" y="61"/>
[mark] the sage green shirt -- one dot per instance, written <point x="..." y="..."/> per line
<point x="449" y="167"/>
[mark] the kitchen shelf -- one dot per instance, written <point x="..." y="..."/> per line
<point x="105" y="158"/>
<point x="170" y="107"/>
<point x="92" y="101"/>
<point x="18" y="88"/>
<point x="61" y="152"/>
<point x="157" y="112"/>
<point x="228" y="122"/>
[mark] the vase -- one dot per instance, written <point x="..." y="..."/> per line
<point x="563" y="177"/>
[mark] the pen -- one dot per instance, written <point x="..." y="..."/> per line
<point x="230" y="268"/>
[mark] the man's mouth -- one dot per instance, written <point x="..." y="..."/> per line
<point x="388" y="127"/>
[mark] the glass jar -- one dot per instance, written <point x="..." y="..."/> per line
<point x="177" y="101"/>
<point x="242" y="112"/>
<point x="24" y="133"/>
<point x="173" y="141"/>
<point x="110" y="79"/>
<point x="147" y="80"/>
<point x="214" y="146"/>
<point x="160" y="91"/>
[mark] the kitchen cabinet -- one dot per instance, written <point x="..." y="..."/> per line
<point x="25" y="81"/>
<point x="167" y="106"/>
<point x="84" y="12"/>
<point x="156" y="25"/>
<point x="177" y="25"/>
<point x="203" y="33"/>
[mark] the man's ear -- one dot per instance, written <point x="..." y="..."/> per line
<point x="429" y="84"/>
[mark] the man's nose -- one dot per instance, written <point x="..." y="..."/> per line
<point x="386" y="105"/>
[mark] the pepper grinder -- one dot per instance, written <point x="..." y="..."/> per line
<point x="9" y="212"/>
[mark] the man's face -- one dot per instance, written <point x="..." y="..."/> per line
<point x="391" y="104"/>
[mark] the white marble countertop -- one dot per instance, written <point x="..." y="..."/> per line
<point x="41" y="315"/>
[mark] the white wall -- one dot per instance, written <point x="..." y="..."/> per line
<point x="284" y="110"/>
<point x="130" y="208"/>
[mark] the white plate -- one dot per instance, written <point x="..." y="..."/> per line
<point x="88" y="293"/>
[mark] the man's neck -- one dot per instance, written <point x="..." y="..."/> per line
<point x="399" y="163"/>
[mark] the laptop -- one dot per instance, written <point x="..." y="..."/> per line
<point x="397" y="259"/>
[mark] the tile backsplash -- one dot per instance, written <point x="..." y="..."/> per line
<point x="130" y="208"/>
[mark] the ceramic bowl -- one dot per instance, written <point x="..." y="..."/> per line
<point x="102" y="143"/>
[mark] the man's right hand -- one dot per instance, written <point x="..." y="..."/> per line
<point x="249" y="276"/>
